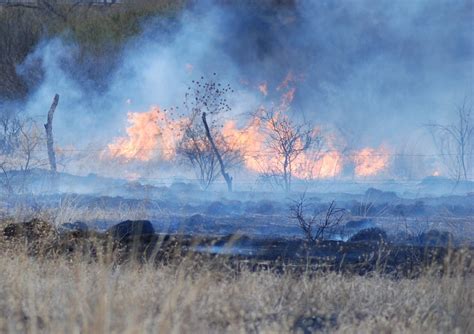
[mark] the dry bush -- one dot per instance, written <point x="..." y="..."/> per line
<point x="319" y="224"/>
<point x="59" y="295"/>
<point x="20" y="140"/>
<point x="286" y="140"/>
<point x="202" y="146"/>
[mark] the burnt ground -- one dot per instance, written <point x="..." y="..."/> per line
<point x="253" y="228"/>
<point x="184" y="209"/>
<point x="137" y="240"/>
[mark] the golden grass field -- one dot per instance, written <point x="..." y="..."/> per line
<point x="80" y="295"/>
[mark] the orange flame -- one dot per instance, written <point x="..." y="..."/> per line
<point x="154" y="134"/>
<point x="318" y="165"/>
<point x="149" y="135"/>
<point x="259" y="157"/>
<point x="370" y="161"/>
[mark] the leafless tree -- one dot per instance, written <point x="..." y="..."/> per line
<point x="286" y="140"/>
<point x="202" y="145"/>
<point x="20" y="140"/>
<point x="319" y="224"/>
<point x="9" y="132"/>
<point x="455" y="143"/>
<point x="196" y="150"/>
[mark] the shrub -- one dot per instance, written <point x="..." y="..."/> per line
<point x="32" y="230"/>
<point x="131" y="228"/>
<point x="369" y="234"/>
<point x="37" y="235"/>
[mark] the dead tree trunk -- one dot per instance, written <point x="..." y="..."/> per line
<point x="49" y="134"/>
<point x="227" y="177"/>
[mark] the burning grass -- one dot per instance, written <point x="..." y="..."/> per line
<point x="262" y="143"/>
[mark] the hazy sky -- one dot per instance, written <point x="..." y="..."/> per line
<point x="377" y="69"/>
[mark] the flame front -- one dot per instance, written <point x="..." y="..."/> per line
<point x="155" y="135"/>
<point x="150" y="134"/>
<point x="370" y="161"/>
<point x="260" y="157"/>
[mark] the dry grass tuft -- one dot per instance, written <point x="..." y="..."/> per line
<point x="78" y="295"/>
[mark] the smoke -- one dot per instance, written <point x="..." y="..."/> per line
<point x="377" y="71"/>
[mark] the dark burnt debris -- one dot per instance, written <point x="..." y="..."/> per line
<point x="137" y="240"/>
<point x="373" y="234"/>
<point x="131" y="229"/>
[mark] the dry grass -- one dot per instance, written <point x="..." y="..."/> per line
<point x="78" y="295"/>
<point x="68" y="294"/>
<point x="69" y="209"/>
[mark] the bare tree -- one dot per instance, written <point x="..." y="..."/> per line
<point x="9" y="132"/>
<point x="286" y="140"/>
<point x="315" y="226"/>
<point x="455" y="143"/>
<point x="202" y="144"/>
<point x="20" y="140"/>
<point x="198" y="153"/>
<point x="9" y="142"/>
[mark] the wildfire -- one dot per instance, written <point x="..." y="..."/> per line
<point x="248" y="140"/>
<point x="149" y="135"/>
<point x="155" y="135"/>
<point x="318" y="165"/>
<point x="259" y="156"/>
<point x="370" y="161"/>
